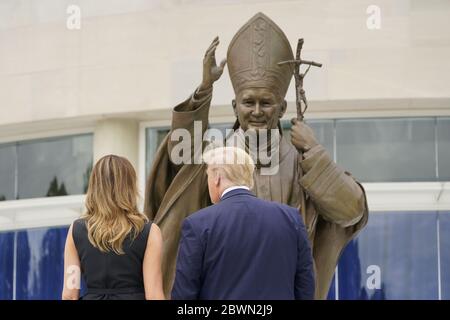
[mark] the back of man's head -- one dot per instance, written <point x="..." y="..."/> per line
<point x="227" y="167"/>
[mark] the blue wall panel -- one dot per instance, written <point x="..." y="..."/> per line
<point x="444" y="236"/>
<point x="350" y="279"/>
<point x="332" y="291"/>
<point x="399" y="247"/>
<point x="6" y="265"/>
<point x="402" y="246"/>
<point x="40" y="265"/>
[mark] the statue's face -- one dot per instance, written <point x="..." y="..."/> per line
<point x="258" y="108"/>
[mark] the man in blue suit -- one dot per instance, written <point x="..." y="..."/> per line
<point x="242" y="247"/>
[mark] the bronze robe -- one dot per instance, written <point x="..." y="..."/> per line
<point x="336" y="207"/>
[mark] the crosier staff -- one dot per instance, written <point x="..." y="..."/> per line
<point x="300" y="96"/>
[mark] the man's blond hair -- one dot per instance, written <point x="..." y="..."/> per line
<point x="234" y="163"/>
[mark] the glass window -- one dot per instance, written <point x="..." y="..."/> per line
<point x="394" y="150"/>
<point x="7" y="171"/>
<point x="443" y="142"/>
<point x="54" y="167"/>
<point x="394" y="257"/>
<point x="373" y="150"/>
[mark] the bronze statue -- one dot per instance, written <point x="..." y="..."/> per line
<point x="335" y="204"/>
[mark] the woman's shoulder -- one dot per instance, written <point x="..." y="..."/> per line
<point x="150" y="230"/>
<point x="78" y="227"/>
<point x="147" y="227"/>
<point x="154" y="232"/>
<point x="154" y="237"/>
<point x="80" y="222"/>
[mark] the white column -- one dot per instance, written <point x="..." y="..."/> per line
<point x="119" y="137"/>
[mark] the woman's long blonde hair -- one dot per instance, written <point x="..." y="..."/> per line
<point x="111" y="204"/>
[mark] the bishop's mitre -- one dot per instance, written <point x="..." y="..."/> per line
<point x="254" y="53"/>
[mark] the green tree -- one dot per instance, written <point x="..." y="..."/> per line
<point x="56" y="190"/>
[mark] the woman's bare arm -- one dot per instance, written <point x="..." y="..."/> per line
<point x="72" y="271"/>
<point x="152" y="265"/>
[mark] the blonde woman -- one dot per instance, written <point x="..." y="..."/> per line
<point x="113" y="246"/>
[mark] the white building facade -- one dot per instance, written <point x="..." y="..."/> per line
<point x="81" y="78"/>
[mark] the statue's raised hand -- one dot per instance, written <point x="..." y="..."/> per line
<point x="211" y="71"/>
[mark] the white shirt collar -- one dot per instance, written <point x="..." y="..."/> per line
<point x="233" y="188"/>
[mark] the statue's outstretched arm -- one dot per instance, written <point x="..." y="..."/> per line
<point x="194" y="112"/>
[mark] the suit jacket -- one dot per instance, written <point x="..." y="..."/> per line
<point x="336" y="208"/>
<point x="244" y="248"/>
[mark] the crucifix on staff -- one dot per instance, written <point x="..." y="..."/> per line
<point x="300" y="92"/>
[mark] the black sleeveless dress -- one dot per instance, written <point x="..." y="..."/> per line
<point x="109" y="276"/>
